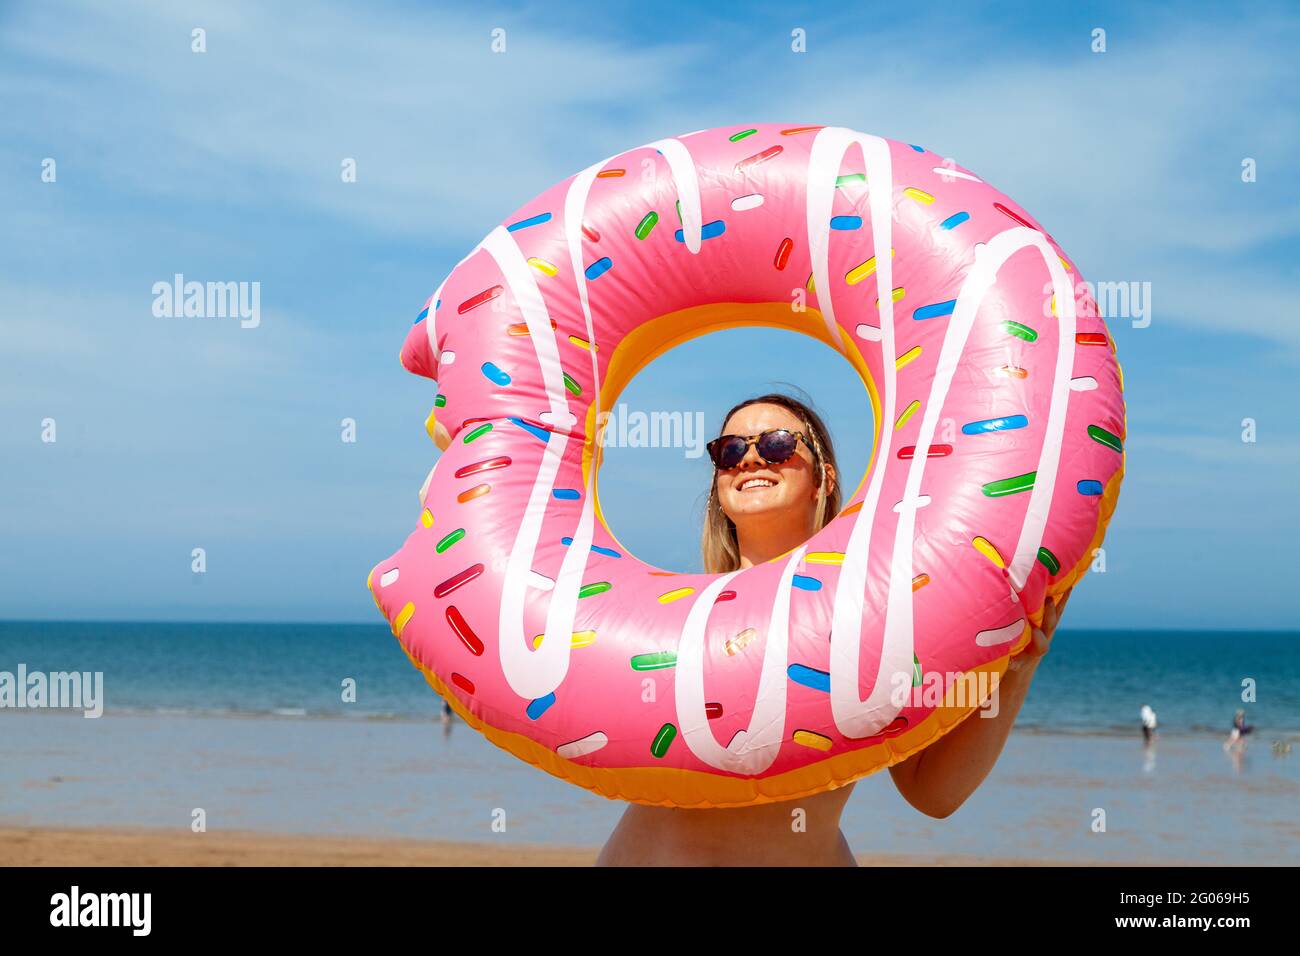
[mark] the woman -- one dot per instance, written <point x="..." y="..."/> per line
<point x="758" y="510"/>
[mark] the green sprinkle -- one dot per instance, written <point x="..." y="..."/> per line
<point x="1049" y="561"/>
<point x="663" y="740"/>
<point x="478" y="432"/>
<point x="1020" y="331"/>
<point x="587" y="590"/>
<point x="1009" y="486"/>
<point x="850" y="178"/>
<point x="679" y="210"/>
<point x="646" y="225"/>
<point x="737" y="137"/>
<point x="654" y="662"/>
<point x="440" y="401"/>
<point x="449" y="540"/>
<point x="572" y="385"/>
<point x="916" y="671"/>
<point x="1100" y="435"/>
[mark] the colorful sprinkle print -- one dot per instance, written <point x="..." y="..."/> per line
<point x="448" y="540"/>
<point x="655" y="661"/>
<point x="710" y="230"/>
<point x="646" y="225"/>
<point x="935" y="310"/>
<point x="994" y="425"/>
<point x="1020" y="331"/>
<point x="1010" y="486"/>
<point x="663" y="740"/>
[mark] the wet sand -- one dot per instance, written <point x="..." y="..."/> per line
<point x="141" y="847"/>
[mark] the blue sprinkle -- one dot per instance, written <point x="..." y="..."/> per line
<point x="495" y="375"/>
<point x="566" y="494"/>
<point x="422" y="314"/>
<point x="541" y="433"/>
<point x="932" y="311"/>
<point x="808" y="677"/>
<point x="599" y="268"/>
<point x="846" y="222"/>
<point x="437" y="305"/>
<point x="995" y="425"/>
<point x="919" y="149"/>
<point x="534" y="221"/>
<point x="607" y="552"/>
<point x="709" y="230"/>
<point x="1090" y="487"/>
<point x="955" y="220"/>
<point x="540" y="706"/>
<point x="806" y="583"/>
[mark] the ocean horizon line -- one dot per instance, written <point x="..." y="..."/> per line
<point x="289" y="622"/>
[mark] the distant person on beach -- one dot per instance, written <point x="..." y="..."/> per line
<point x="1148" y="723"/>
<point x="1237" y="736"/>
<point x="775" y="483"/>
<point x="446" y="712"/>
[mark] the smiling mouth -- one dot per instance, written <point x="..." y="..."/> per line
<point x="755" y="484"/>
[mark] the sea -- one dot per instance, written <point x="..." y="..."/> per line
<point x="248" y="724"/>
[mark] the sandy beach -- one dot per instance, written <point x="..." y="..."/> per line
<point x="142" y="847"/>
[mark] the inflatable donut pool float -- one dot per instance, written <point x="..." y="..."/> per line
<point x="996" y="464"/>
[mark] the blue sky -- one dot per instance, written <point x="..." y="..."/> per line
<point x="182" y="433"/>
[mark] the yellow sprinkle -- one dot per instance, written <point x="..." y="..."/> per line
<point x="807" y="738"/>
<point x="1068" y="267"/>
<point x="1054" y="306"/>
<point x="908" y="356"/>
<point x="898" y="294"/>
<point x="920" y="195"/>
<point x="907" y="413"/>
<point x="824" y="557"/>
<point x="737" y="644"/>
<point x="583" y="344"/>
<point x="810" y="283"/>
<point x="431" y="421"/>
<point x="402" y="619"/>
<point x="858" y="273"/>
<point x="985" y="547"/>
<point x="542" y="266"/>
<point x="579" y="639"/>
<point x="426" y="518"/>
<point x="669" y="596"/>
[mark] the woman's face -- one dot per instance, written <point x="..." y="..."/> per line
<point x="754" y="490"/>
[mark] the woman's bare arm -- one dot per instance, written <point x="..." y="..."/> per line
<point x="939" y="779"/>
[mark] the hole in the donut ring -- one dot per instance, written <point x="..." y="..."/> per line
<point x="653" y="488"/>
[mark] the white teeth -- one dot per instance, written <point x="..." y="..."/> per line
<point x="756" y="482"/>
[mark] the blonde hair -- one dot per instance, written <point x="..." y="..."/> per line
<point x="718" y="542"/>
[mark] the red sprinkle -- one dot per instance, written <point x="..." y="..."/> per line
<point x="1014" y="216"/>
<point x="726" y="596"/>
<point x="456" y="580"/>
<point x="770" y="153"/>
<point x="487" y="295"/>
<point x="590" y="233"/>
<point x="1090" y="338"/>
<point x="463" y="630"/>
<point x="487" y="464"/>
<point x="936" y="451"/>
<point x="783" y="253"/>
<point x="712" y="711"/>
<point x="463" y="682"/>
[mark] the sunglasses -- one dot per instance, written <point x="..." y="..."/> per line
<point x="774" y="447"/>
